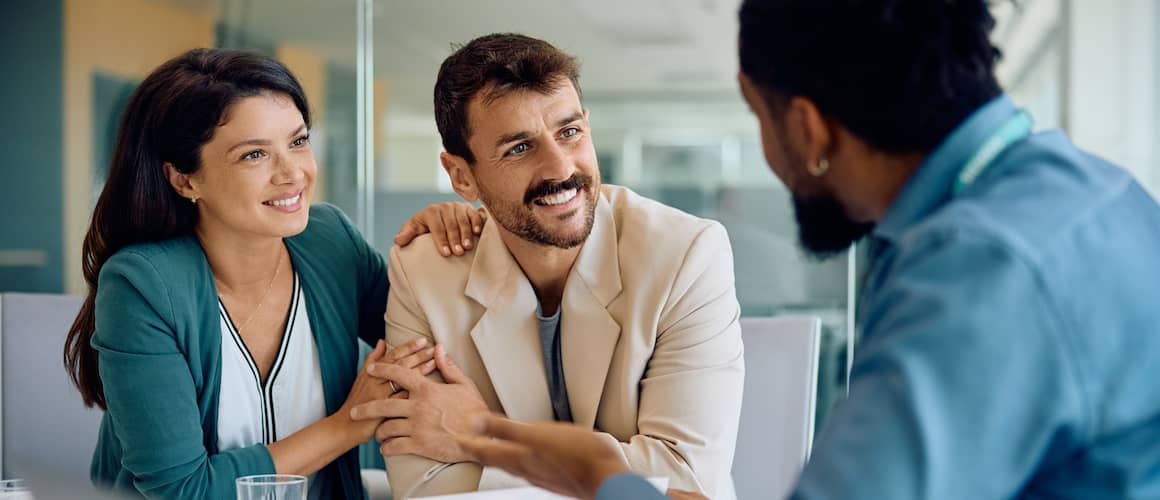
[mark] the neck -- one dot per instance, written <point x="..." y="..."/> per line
<point x="240" y="265"/>
<point x="868" y="191"/>
<point x="546" y="267"/>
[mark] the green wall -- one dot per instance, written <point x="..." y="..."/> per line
<point x="31" y="137"/>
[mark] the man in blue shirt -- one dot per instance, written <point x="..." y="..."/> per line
<point x="1008" y="318"/>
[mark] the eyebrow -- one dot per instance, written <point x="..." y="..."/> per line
<point x="263" y="142"/>
<point x="519" y="136"/>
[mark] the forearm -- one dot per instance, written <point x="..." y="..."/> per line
<point x="653" y="457"/>
<point x="309" y="450"/>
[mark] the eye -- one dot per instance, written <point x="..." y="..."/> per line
<point x="301" y="141"/>
<point x="519" y="149"/>
<point x="253" y="155"/>
<point x="570" y="132"/>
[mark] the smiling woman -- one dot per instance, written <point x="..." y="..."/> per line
<point x="220" y="332"/>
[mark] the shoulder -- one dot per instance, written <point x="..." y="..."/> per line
<point x="155" y="264"/>
<point x="663" y="233"/>
<point x="1037" y="196"/>
<point x="440" y="272"/>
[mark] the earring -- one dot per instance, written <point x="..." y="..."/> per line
<point x="194" y="200"/>
<point x="820" y="168"/>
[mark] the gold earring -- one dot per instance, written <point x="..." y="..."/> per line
<point x="194" y="200"/>
<point x="819" y="169"/>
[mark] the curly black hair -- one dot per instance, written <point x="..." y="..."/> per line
<point x="900" y="74"/>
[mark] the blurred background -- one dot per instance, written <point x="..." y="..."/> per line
<point x="658" y="77"/>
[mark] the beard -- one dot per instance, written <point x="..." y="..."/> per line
<point x="520" y="219"/>
<point x="824" y="228"/>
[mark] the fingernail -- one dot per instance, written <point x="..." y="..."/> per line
<point x="429" y="351"/>
<point x="355" y="413"/>
<point x="476" y="228"/>
<point x="466" y="243"/>
<point x="420" y="342"/>
<point x="458" y="248"/>
<point x="445" y="251"/>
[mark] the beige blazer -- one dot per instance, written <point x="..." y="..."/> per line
<point x="651" y="343"/>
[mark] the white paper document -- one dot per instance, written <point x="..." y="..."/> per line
<point x="525" y="493"/>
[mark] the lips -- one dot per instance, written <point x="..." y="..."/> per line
<point x="557" y="193"/>
<point x="288" y="201"/>
<point x="556" y="199"/>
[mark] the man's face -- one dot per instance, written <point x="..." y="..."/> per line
<point x="824" y="227"/>
<point x="535" y="166"/>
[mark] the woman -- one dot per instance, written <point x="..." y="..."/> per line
<point x="221" y="328"/>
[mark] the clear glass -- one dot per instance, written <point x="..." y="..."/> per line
<point x="14" y="489"/>
<point x="272" y="487"/>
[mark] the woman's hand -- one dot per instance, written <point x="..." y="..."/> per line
<point x="367" y="387"/>
<point x="453" y="227"/>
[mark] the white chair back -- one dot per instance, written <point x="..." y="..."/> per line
<point x="42" y="418"/>
<point x="777" y="413"/>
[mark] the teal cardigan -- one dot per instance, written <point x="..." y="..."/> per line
<point x="158" y="339"/>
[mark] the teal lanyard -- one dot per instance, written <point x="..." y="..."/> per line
<point x="1015" y="129"/>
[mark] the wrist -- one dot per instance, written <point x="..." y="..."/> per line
<point x="350" y="432"/>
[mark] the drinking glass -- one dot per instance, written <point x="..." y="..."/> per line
<point x="272" y="487"/>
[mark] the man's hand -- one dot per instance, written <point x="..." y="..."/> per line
<point x="427" y="422"/>
<point x="562" y="458"/>
<point x="453" y="227"/>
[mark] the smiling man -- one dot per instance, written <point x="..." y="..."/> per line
<point x="581" y="302"/>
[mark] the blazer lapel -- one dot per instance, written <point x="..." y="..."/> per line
<point x="589" y="333"/>
<point x="507" y="335"/>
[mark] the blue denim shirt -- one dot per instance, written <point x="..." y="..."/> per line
<point x="1010" y="334"/>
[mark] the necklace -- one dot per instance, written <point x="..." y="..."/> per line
<point x="270" y="286"/>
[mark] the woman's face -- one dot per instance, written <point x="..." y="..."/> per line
<point x="257" y="173"/>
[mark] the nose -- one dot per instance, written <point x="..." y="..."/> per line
<point x="557" y="163"/>
<point x="288" y="170"/>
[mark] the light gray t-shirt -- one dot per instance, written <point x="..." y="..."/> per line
<point x="554" y="363"/>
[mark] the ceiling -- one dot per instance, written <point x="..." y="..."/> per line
<point x="629" y="49"/>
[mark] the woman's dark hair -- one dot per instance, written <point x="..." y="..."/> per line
<point x="169" y="117"/>
<point x="900" y="74"/>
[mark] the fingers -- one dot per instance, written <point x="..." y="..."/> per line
<point x="434" y="222"/>
<point x="417" y="359"/>
<point x="463" y="218"/>
<point x="451" y="372"/>
<point x="394" y="428"/>
<point x="478" y="218"/>
<point x="382" y="408"/>
<point x="404" y="378"/>
<point x="378" y="352"/>
<point x="408" y="232"/>
<point x="451" y="226"/>
<point x="399" y="446"/>
<point x="408" y="349"/>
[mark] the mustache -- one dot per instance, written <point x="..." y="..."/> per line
<point x="548" y="188"/>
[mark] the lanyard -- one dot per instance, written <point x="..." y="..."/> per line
<point x="1015" y="129"/>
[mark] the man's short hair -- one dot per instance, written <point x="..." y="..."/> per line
<point x="900" y="74"/>
<point x="497" y="65"/>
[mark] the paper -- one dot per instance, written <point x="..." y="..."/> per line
<point x="525" y="493"/>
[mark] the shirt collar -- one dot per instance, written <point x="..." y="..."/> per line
<point x="931" y="184"/>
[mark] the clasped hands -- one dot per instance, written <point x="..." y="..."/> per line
<point x="422" y="416"/>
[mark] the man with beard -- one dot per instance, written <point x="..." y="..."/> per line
<point x="582" y="303"/>
<point x="1008" y="317"/>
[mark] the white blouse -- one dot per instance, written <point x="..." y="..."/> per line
<point x="292" y="397"/>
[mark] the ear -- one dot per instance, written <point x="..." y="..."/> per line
<point x="815" y="135"/>
<point x="462" y="178"/>
<point x="181" y="182"/>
